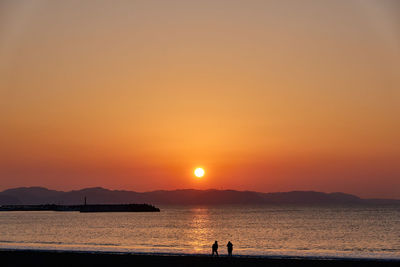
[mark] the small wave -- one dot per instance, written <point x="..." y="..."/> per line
<point x="100" y="244"/>
<point x="57" y="243"/>
<point x="390" y="249"/>
<point x="163" y="246"/>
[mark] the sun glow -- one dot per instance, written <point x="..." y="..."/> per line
<point x="199" y="172"/>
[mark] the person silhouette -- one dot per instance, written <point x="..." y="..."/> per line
<point x="230" y="248"/>
<point x="215" y="248"/>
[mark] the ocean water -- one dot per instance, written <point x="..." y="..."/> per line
<point x="355" y="232"/>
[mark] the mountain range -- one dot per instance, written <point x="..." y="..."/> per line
<point x="98" y="195"/>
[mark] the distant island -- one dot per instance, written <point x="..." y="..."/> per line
<point x="98" y="195"/>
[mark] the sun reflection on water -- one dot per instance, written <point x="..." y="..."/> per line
<point x="200" y="230"/>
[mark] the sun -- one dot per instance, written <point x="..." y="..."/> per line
<point x="199" y="172"/>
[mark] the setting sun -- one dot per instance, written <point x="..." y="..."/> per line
<point x="199" y="172"/>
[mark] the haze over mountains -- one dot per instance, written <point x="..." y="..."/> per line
<point x="98" y="195"/>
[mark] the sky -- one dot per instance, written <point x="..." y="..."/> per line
<point x="264" y="95"/>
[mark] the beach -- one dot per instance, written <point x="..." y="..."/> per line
<point x="86" y="258"/>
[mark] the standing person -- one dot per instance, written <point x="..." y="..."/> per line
<point x="215" y="248"/>
<point x="230" y="248"/>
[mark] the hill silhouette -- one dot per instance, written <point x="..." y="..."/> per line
<point x="98" y="195"/>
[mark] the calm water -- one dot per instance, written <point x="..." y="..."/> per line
<point x="292" y="231"/>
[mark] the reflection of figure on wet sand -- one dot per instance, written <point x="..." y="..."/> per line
<point x="230" y="248"/>
<point x="215" y="248"/>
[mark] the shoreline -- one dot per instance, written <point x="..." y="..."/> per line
<point x="139" y="252"/>
<point x="30" y="257"/>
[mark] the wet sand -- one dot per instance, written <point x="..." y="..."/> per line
<point x="64" y="258"/>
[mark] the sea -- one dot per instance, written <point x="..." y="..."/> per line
<point x="273" y="231"/>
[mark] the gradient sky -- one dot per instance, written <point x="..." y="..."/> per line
<point x="265" y="95"/>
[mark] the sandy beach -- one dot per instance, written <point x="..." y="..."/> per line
<point x="65" y="258"/>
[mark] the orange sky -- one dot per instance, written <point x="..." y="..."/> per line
<point x="265" y="95"/>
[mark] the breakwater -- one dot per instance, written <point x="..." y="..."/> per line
<point x="83" y="208"/>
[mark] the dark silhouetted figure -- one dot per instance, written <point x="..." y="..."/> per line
<point x="215" y="248"/>
<point x="230" y="248"/>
